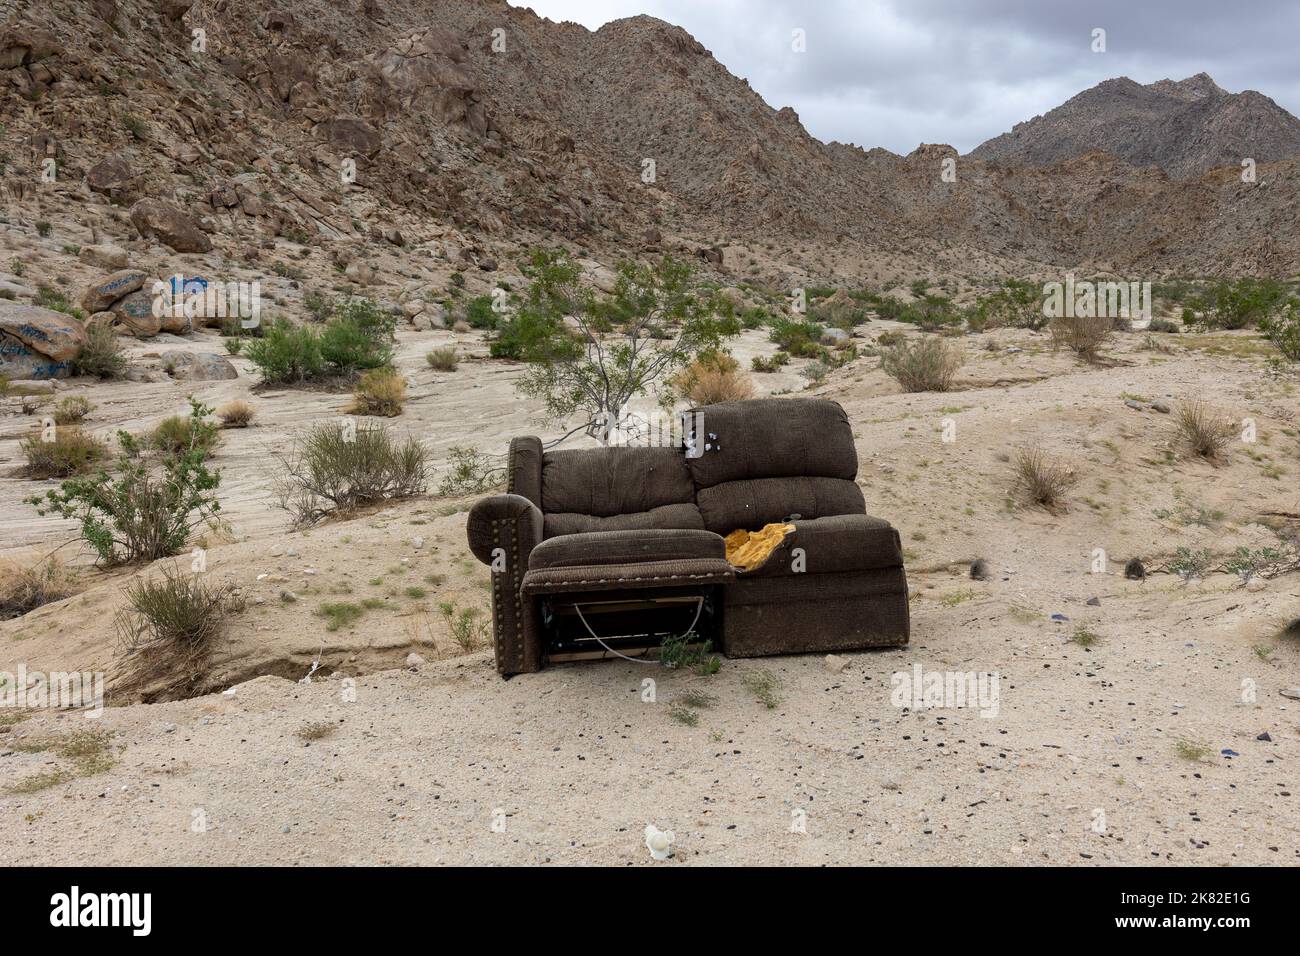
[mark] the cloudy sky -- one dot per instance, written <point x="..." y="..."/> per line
<point x="896" y="73"/>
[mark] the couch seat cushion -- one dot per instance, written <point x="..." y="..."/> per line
<point x="838" y="543"/>
<point x="665" y="516"/>
<point x="625" y="547"/>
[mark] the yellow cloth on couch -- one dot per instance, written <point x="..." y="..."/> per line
<point x="748" y="550"/>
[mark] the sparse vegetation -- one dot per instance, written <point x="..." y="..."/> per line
<point x="381" y="392"/>
<point x="764" y="685"/>
<point x="331" y="469"/>
<point x="713" y="378"/>
<point x="24" y="588"/>
<point x="469" y="472"/>
<point x="1204" y="429"/>
<point x="1042" y="479"/>
<point x="927" y="364"/>
<point x="442" y="360"/>
<point x="1083" y="335"/>
<point x="168" y="628"/>
<point x="101" y="356"/>
<point x="468" y="629"/>
<point x="71" y="410"/>
<point x="236" y="414"/>
<point x="61" y="453"/>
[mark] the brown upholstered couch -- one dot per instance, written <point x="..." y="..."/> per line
<point x="620" y="519"/>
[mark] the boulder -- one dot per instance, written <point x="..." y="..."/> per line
<point x="108" y="290"/>
<point x="36" y="342"/>
<point x="352" y="134"/>
<point x="360" y="272"/>
<point x="169" y="225"/>
<point x="174" y="10"/>
<point x="110" y="175"/>
<point x="835" y="338"/>
<point x="199" y="367"/>
<point x="106" y="256"/>
<point x="134" y="314"/>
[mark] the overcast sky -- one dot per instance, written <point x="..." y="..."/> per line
<point x="896" y="73"/>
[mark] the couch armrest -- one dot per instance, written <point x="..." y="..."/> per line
<point x="502" y="532"/>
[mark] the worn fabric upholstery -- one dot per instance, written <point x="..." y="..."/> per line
<point x="665" y="516"/>
<point x="838" y="543"/>
<point x="773" y="438"/>
<point x="754" y="502"/>
<point x="643" y="519"/>
<point x="614" y="481"/>
<point x="513" y="524"/>
<point x="524" y="468"/>
<point x="625" y="547"/>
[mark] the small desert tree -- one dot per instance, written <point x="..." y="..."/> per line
<point x="590" y="355"/>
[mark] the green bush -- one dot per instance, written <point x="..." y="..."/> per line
<point x="798" y="337"/>
<point x="931" y="313"/>
<point x="761" y="364"/>
<point x="359" y="336"/>
<point x="147" y="510"/>
<point x="1283" y="330"/>
<point x="286" y="354"/>
<point x="480" y="315"/>
<point x="1243" y="304"/>
<point x="1017" y="304"/>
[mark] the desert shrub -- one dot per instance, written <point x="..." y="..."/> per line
<point x="798" y="337"/>
<point x="1017" y="304"/>
<point x="713" y="378"/>
<point x="467" y="627"/>
<point x="1204" y="429"/>
<point x="931" y="313"/>
<point x="24" y="588"/>
<point x="101" y="356"/>
<point x="337" y="468"/>
<point x="469" y="472"/>
<point x="927" y="364"/>
<point x="461" y="328"/>
<point x="236" y="414"/>
<point x="890" y="337"/>
<point x="360" y="336"/>
<point x="1083" y="335"/>
<point x="815" y="371"/>
<point x="62" y="453"/>
<point x="72" y="409"/>
<point x="234" y="346"/>
<point x="529" y="334"/>
<point x="1283" y="330"/>
<point x="479" y="313"/>
<point x="168" y="628"/>
<point x="380" y="391"/>
<point x="771" y="364"/>
<point x="1042" y="479"/>
<point x="182" y="434"/>
<point x="48" y="297"/>
<point x="443" y="360"/>
<point x="1242" y="304"/>
<point x="1164" y="325"/>
<point x="146" y="511"/>
<point x="286" y="354"/>
<point x="318" y="306"/>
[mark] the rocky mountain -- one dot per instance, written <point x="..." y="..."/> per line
<point x="1186" y="128"/>
<point x="345" y="123"/>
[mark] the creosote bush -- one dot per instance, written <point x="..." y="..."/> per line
<point x="927" y="364"/>
<point x="1042" y="479"/>
<point x="147" y="509"/>
<point x="335" y="467"/>
<point x="469" y="472"/>
<point x="168" y="629"/>
<point x="71" y="410"/>
<point x="1083" y="335"/>
<point x="381" y="391"/>
<point x="1204" y="429"/>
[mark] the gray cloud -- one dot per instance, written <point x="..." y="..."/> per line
<point x="896" y="73"/>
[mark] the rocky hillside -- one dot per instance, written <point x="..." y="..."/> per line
<point x="1186" y="128"/>
<point x="354" y="122"/>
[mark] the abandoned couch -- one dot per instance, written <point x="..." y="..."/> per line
<point x="645" y="526"/>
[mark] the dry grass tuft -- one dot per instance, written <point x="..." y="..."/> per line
<point x="927" y="364"/>
<point x="1042" y="479"/>
<point x="70" y="451"/>
<point x="442" y="360"/>
<point x="236" y="414"/>
<point x="25" y="588"/>
<point x="381" y="391"/>
<point x="1083" y="335"/>
<point x="1204" y="429"/>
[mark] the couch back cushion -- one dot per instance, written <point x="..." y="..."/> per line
<point x="617" y="489"/>
<point x="765" y="460"/>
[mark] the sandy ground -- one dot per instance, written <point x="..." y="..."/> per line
<point x="1106" y="754"/>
